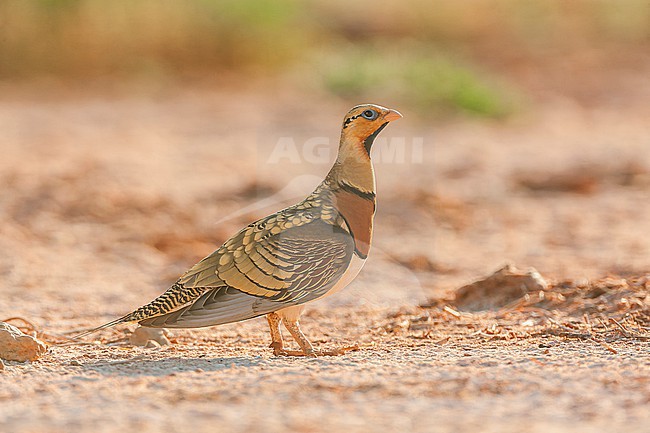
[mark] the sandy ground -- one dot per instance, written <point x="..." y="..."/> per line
<point x="108" y="198"/>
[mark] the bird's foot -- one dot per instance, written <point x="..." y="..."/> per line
<point x="338" y="351"/>
<point x="279" y="350"/>
<point x="311" y="353"/>
<point x="296" y="353"/>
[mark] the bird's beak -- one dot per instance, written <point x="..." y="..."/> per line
<point x="392" y="115"/>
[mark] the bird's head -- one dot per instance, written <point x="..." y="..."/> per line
<point x="363" y="123"/>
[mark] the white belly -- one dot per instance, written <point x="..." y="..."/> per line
<point x="350" y="274"/>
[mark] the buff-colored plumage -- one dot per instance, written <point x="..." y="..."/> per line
<point x="278" y="263"/>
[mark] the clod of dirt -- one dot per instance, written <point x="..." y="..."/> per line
<point x="152" y="344"/>
<point x="584" y="179"/>
<point x="575" y="182"/>
<point x="499" y="289"/>
<point x="142" y="336"/>
<point x="17" y="346"/>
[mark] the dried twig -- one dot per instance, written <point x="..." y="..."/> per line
<point x="605" y="345"/>
<point x="442" y="341"/>
<point x="451" y="311"/>
<point x="566" y="334"/>
<point x="76" y="343"/>
<point x="621" y="328"/>
<point x="30" y="326"/>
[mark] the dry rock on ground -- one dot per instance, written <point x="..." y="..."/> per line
<point x="17" y="346"/>
<point x="149" y="337"/>
<point x="499" y="289"/>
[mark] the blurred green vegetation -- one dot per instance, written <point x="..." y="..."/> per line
<point x="76" y="38"/>
<point x="432" y="80"/>
<point x="440" y="55"/>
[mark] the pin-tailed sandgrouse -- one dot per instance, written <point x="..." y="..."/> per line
<point x="279" y="263"/>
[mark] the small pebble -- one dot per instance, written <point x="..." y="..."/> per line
<point x="142" y="336"/>
<point x="152" y="344"/>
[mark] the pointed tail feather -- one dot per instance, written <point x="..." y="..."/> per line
<point x="174" y="298"/>
<point x="123" y="319"/>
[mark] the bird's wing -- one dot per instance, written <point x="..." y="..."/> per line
<point x="254" y="275"/>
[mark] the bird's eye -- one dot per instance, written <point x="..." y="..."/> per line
<point x="369" y="114"/>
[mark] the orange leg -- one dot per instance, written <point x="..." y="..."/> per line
<point x="293" y="327"/>
<point x="276" y="336"/>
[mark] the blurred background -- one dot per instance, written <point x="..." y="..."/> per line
<point x="488" y="59"/>
<point x="129" y="129"/>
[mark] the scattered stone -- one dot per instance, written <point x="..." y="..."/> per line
<point x="141" y="336"/>
<point x="2" y="365"/>
<point x="499" y="289"/>
<point x="152" y="344"/>
<point x="76" y="363"/>
<point x="17" y="346"/>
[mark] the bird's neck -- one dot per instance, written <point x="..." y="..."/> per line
<point x="353" y="166"/>
<point x="351" y="190"/>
